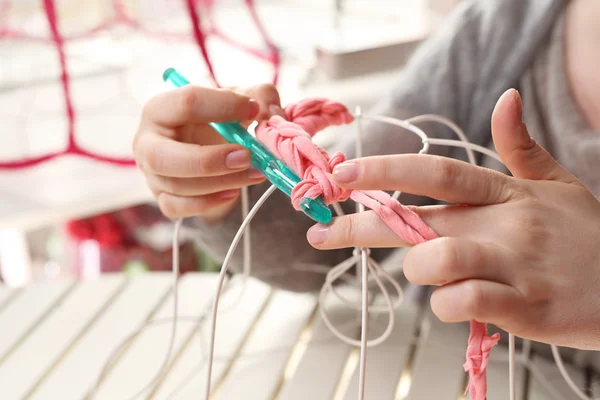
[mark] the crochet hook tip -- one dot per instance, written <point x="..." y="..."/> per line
<point x="316" y="209"/>
<point x="167" y="74"/>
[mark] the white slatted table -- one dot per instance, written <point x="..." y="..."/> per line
<point x="56" y="337"/>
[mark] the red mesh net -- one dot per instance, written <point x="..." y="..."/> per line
<point x="52" y="48"/>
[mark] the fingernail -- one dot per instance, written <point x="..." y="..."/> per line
<point x="519" y="102"/>
<point x="346" y="172"/>
<point x="317" y="234"/>
<point x="238" y="159"/>
<point x="519" y="105"/>
<point x="276" y="110"/>
<point x="253" y="109"/>
<point x="255" y="174"/>
<point x="229" y="194"/>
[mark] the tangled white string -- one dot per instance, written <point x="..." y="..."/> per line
<point x="360" y="259"/>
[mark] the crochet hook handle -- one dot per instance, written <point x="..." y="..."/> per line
<point x="262" y="159"/>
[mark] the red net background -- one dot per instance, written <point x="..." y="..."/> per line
<point x="64" y="59"/>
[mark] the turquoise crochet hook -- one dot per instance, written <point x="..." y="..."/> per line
<point x="262" y="159"/>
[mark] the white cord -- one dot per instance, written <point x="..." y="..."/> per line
<point x="566" y="376"/>
<point x="450" y="124"/>
<point x="365" y="323"/>
<point x="512" y="385"/>
<point x="222" y="274"/>
<point x="247" y="242"/>
<point x="466" y="145"/>
<point x="364" y="269"/>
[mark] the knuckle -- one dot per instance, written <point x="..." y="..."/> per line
<point x="473" y="300"/>
<point x="231" y="103"/>
<point x="167" y="206"/>
<point x="529" y="287"/>
<point x="348" y="230"/>
<point x="152" y="157"/>
<point x="441" y="310"/>
<point x="410" y="266"/>
<point x="265" y="92"/>
<point x="448" y="263"/>
<point x="269" y="88"/>
<point x="148" y="109"/>
<point x="141" y="152"/>
<point x="528" y="219"/>
<point x="237" y="106"/>
<point x="269" y="92"/>
<point x="517" y="190"/>
<point x="490" y="192"/>
<point x="384" y="170"/>
<point x="447" y="174"/>
<point x="200" y="163"/>
<point x="135" y="146"/>
<point x="171" y="185"/>
<point x="535" y="154"/>
<point x="188" y="100"/>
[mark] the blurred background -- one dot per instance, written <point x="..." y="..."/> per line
<point x="74" y="76"/>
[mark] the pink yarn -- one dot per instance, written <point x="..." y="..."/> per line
<point x="478" y="355"/>
<point x="291" y="140"/>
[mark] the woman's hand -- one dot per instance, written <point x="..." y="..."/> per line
<point x="190" y="168"/>
<point x="519" y="252"/>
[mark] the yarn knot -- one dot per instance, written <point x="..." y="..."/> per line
<point x="292" y="143"/>
<point x="318" y="182"/>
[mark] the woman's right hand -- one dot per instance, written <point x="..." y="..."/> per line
<point x="191" y="169"/>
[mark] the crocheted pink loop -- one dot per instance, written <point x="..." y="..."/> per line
<point x="291" y="142"/>
<point x="317" y="114"/>
<point x="319" y="182"/>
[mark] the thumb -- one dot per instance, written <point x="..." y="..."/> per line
<point x="522" y="155"/>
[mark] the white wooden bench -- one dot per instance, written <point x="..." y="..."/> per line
<point x="55" y="338"/>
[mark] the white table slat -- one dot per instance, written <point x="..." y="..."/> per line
<point x="386" y="362"/>
<point x="270" y="345"/>
<point x="139" y="366"/>
<point x="54" y="336"/>
<point x="498" y="375"/>
<point x="438" y="368"/>
<point x="78" y="371"/>
<point x="318" y="374"/>
<point x="537" y="389"/>
<point x="6" y="296"/>
<point x="235" y="320"/>
<point x="26" y="311"/>
<point x="259" y="370"/>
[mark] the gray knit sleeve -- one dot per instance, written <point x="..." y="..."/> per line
<point x="444" y="77"/>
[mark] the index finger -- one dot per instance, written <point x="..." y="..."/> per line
<point x="199" y="105"/>
<point x="366" y="229"/>
<point x="426" y="175"/>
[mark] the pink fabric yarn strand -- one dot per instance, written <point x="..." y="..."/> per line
<point x="290" y="139"/>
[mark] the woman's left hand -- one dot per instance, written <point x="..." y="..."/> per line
<point x="520" y="252"/>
